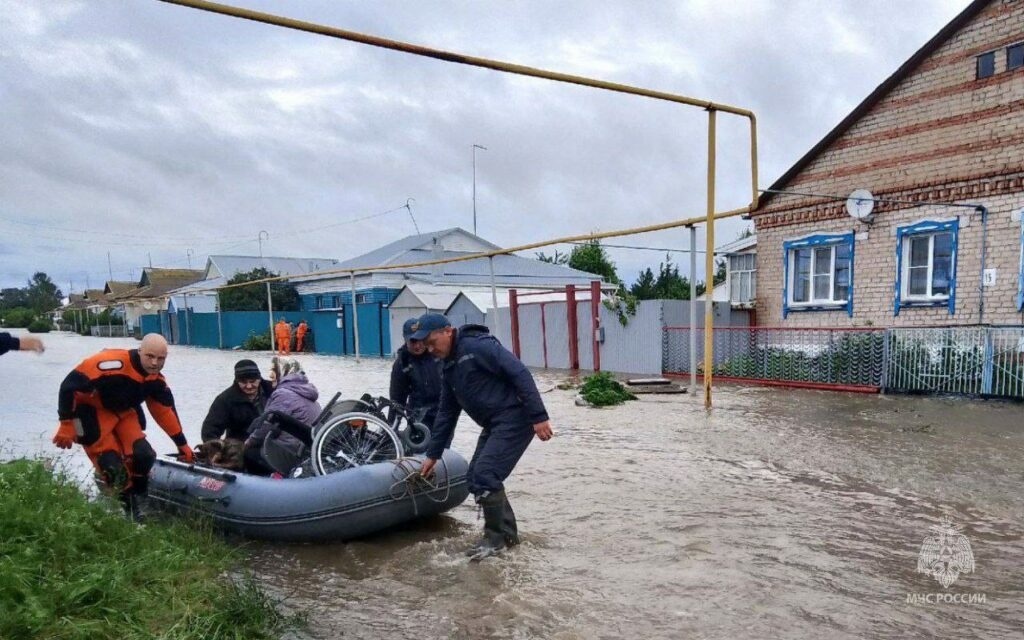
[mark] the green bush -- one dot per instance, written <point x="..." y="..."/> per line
<point x="39" y="325"/>
<point x="74" y="569"/>
<point x="257" y="341"/>
<point x="18" y="317"/>
<point x="602" y="390"/>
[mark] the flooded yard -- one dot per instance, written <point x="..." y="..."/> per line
<point x="782" y="513"/>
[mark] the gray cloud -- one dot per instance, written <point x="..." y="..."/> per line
<point x="155" y="131"/>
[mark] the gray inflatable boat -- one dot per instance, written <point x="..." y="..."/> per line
<point x="338" y="506"/>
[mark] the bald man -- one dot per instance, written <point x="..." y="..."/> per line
<point x="100" y="408"/>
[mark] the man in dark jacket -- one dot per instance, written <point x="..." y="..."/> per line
<point x="498" y="392"/>
<point x="416" y="378"/>
<point x="237" y="406"/>
<point x="24" y="343"/>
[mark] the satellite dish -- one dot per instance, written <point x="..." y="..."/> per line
<point x="860" y="204"/>
<point x="147" y="305"/>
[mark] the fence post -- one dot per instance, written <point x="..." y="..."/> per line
<point x="573" y="320"/>
<point x="513" y="313"/>
<point x="886" y="355"/>
<point x="595" y="320"/>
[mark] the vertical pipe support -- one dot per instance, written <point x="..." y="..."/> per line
<point x="355" y="315"/>
<point x="693" y="308"/>
<point x="709" y="264"/>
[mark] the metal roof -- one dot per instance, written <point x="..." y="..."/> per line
<point x="398" y="252"/>
<point x="221" y="268"/>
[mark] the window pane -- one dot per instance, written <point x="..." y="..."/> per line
<point x="801" y="275"/>
<point x="734" y="263"/>
<point x="1015" y="56"/>
<point x="821" y="285"/>
<point x="750" y="262"/>
<point x="943" y="245"/>
<point x="745" y="287"/>
<point x="823" y="261"/>
<point x="986" y="65"/>
<point x="734" y="287"/>
<point x="753" y="285"/>
<point x="919" y="281"/>
<point x="841" y="287"/>
<point x="919" y="251"/>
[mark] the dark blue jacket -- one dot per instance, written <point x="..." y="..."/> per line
<point x="8" y="343"/>
<point x="486" y="380"/>
<point x="416" y="382"/>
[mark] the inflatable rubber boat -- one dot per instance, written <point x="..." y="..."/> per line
<point x="343" y="505"/>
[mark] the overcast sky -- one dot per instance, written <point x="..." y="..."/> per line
<point x="161" y="133"/>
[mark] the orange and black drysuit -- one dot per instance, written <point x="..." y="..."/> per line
<point x="300" y="336"/>
<point x="100" y="406"/>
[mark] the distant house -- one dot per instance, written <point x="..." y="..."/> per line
<point x="330" y="297"/>
<point x="201" y="296"/>
<point x="937" y="238"/>
<point x="152" y="292"/>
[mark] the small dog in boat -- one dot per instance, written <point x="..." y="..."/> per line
<point x="225" y="454"/>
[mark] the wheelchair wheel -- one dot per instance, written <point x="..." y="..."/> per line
<point x="415" y="437"/>
<point x="352" y="440"/>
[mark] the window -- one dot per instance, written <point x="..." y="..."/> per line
<point x="1015" y="56"/>
<point x="818" y="274"/>
<point x="335" y="302"/>
<point x="742" y="278"/>
<point x="1020" y="271"/>
<point x="986" y="65"/>
<point x="319" y="302"/>
<point x="926" y="264"/>
<point x="360" y="298"/>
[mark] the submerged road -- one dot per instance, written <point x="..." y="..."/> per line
<point x="783" y="513"/>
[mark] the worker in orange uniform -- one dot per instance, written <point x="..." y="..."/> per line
<point x="100" y="408"/>
<point x="283" y="337"/>
<point x="300" y="336"/>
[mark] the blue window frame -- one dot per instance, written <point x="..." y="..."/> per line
<point x="926" y="265"/>
<point x="1020" y="271"/>
<point x="818" y="274"/>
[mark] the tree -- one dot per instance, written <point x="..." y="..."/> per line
<point x="42" y="294"/>
<point x="254" y="298"/>
<point x="720" y="272"/>
<point x="643" y="288"/>
<point x="13" y="297"/>
<point x="592" y="258"/>
<point x="557" y="258"/>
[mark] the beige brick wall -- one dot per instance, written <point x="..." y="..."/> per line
<point x="940" y="135"/>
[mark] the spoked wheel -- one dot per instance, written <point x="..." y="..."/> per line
<point x="352" y="440"/>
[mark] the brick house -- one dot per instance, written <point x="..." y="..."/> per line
<point x="946" y="129"/>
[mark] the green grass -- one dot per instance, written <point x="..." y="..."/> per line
<point x="72" y="568"/>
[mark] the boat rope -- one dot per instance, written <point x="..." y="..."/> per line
<point x="409" y="482"/>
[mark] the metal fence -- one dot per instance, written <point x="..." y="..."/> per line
<point x="987" y="361"/>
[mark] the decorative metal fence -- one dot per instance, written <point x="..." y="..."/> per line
<point x="808" y="357"/>
<point x="986" y="361"/>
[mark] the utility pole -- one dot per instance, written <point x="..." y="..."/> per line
<point x="270" y="305"/>
<point x="475" y="147"/>
<point x="110" y="270"/>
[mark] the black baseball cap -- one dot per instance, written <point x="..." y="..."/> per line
<point x="428" y="322"/>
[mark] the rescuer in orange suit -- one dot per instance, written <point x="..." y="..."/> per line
<point x="300" y="335"/>
<point x="283" y="337"/>
<point x="100" y="408"/>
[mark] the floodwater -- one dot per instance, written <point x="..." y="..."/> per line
<point x="783" y="513"/>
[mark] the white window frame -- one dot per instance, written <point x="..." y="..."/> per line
<point x="812" y="301"/>
<point x="905" y="276"/>
<point x="737" y="273"/>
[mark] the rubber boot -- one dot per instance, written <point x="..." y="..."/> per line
<point x="132" y="505"/>
<point x="508" y="525"/>
<point x="493" y="540"/>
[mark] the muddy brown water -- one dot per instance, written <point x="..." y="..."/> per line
<point x="783" y="513"/>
